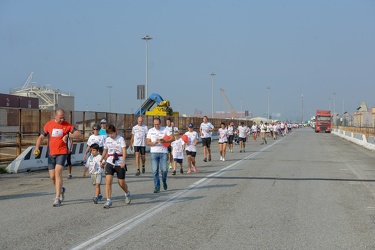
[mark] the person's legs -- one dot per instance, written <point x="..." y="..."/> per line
<point x="224" y="150"/>
<point x="164" y="169"/>
<point x="108" y="186"/>
<point x="137" y="160"/>
<point x="155" y="162"/>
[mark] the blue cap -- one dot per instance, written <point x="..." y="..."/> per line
<point x="191" y="125"/>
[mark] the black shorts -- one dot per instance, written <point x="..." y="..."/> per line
<point x="206" y="142"/>
<point x="230" y="139"/>
<point x="169" y="149"/>
<point x="191" y="153"/>
<point x="69" y="159"/>
<point x="54" y="160"/>
<point x="140" y="149"/>
<point x="242" y="139"/>
<point x="111" y="170"/>
<point x="177" y="160"/>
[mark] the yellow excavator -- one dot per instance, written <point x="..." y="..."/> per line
<point x="161" y="109"/>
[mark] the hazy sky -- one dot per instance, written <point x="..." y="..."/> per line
<point x="310" y="48"/>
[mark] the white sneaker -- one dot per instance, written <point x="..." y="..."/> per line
<point x="221" y="158"/>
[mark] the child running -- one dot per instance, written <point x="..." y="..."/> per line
<point x="177" y="152"/>
<point x="93" y="166"/>
<point x="223" y="139"/>
<point x="191" y="147"/>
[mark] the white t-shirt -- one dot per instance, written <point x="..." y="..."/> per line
<point x="222" y="134"/>
<point x="171" y="129"/>
<point x="254" y="128"/>
<point x="242" y="131"/>
<point x="204" y="128"/>
<point x="230" y="130"/>
<point x="98" y="139"/>
<point x="139" y="133"/>
<point x="178" y="149"/>
<point x="154" y="135"/>
<point x="263" y="128"/>
<point x="93" y="164"/>
<point x="192" y="138"/>
<point x="115" y="146"/>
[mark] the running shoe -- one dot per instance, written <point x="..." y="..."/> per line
<point x="95" y="200"/>
<point x="127" y="198"/>
<point x="209" y="158"/>
<point x="156" y="190"/>
<point x="143" y="169"/>
<point x="174" y="172"/>
<point x="205" y="159"/>
<point x="241" y="151"/>
<point x="62" y="195"/>
<point x="221" y="158"/>
<point x="70" y="176"/>
<point x="108" y="204"/>
<point x="165" y="186"/>
<point x="181" y="171"/>
<point x="100" y="196"/>
<point x="138" y="172"/>
<point x="170" y="166"/>
<point x="57" y="202"/>
<point x="195" y="168"/>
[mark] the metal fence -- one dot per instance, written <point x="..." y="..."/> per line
<point x="19" y="128"/>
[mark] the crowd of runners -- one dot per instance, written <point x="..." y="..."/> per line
<point x="106" y="151"/>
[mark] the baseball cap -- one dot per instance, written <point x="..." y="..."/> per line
<point x="103" y="121"/>
<point x="191" y="125"/>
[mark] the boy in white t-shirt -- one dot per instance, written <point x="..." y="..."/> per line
<point x="93" y="166"/>
<point x="177" y="152"/>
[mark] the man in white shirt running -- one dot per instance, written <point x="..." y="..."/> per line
<point x="138" y="141"/>
<point x="242" y="135"/>
<point x="206" y="129"/>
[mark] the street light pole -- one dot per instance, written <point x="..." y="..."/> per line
<point x="302" y="111"/>
<point x="110" y="98"/>
<point x="212" y="98"/>
<point x="334" y="108"/>
<point x="146" y="38"/>
<point x="268" y="112"/>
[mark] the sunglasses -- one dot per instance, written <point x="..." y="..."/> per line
<point x="95" y="129"/>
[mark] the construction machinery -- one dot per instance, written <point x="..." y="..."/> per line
<point x="162" y="107"/>
<point x="231" y="110"/>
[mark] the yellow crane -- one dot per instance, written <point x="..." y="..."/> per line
<point x="231" y="110"/>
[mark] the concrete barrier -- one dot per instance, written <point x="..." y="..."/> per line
<point x="27" y="161"/>
<point x="356" y="138"/>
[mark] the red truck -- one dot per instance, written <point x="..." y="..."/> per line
<point x="323" y="121"/>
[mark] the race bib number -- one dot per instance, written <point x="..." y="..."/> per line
<point x="56" y="132"/>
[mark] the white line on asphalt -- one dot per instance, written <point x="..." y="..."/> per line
<point x="113" y="232"/>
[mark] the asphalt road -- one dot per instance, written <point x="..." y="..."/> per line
<point x="303" y="191"/>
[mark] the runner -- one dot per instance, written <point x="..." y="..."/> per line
<point x="93" y="166"/>
<point x="254" y="131"/>
<point x="223" y="139"/>
<point x="242" y="135"/>
<point x="170" y="128"/>
<point x="58" y="132"/>
<point x="138" y="140"/>
<point x="178" y="152"/>
<point x="191" y="147"/>
<point x="113" y="161"/>
<point x="263" y="129"/>
<point x="230" y="136"/>
<point x="94" y="138"/>
<point x="206" y="129"/>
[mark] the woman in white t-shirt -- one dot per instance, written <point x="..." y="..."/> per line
<point x="223" y="139"/>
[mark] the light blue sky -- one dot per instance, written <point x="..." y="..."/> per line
<point x="314" y="48"/>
